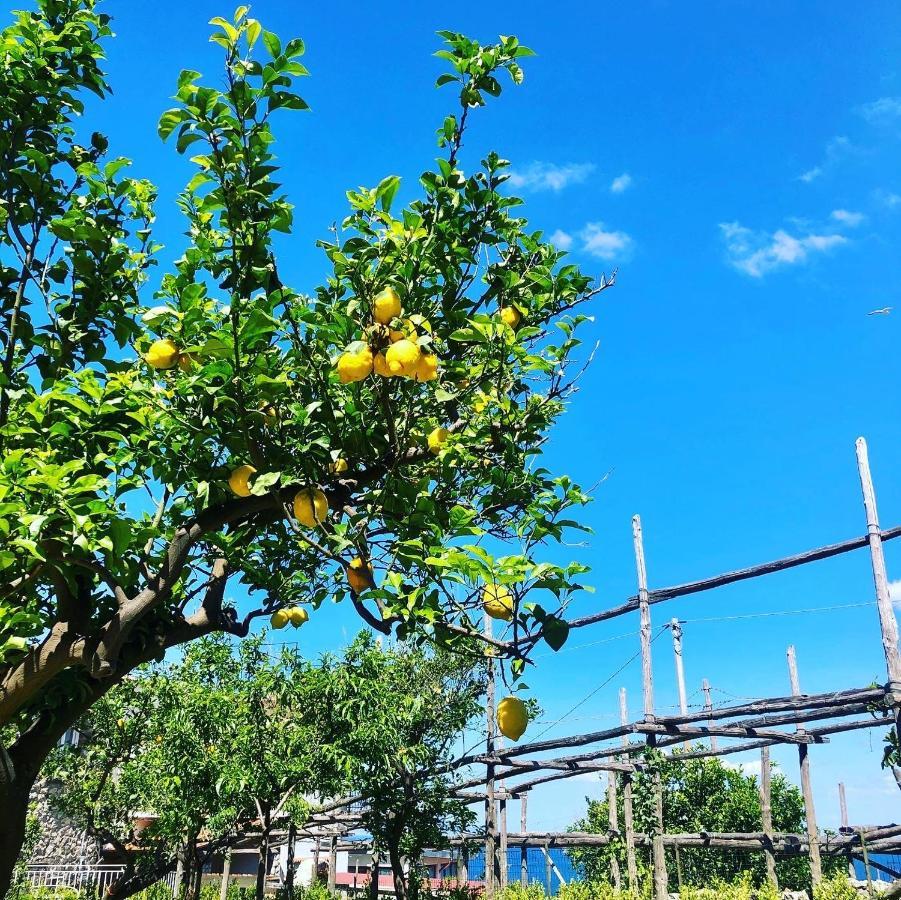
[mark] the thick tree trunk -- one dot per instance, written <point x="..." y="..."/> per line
<point x="289" y="870"/>
<point x="16" y="781"/>
<point x="397" y="870"/>
<point x="263" y="860"/>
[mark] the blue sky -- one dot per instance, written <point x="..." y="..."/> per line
<point x="738" y="163"/>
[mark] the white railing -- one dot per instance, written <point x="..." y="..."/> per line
<point x="95" y="879"/>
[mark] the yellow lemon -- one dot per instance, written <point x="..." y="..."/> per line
<point x="402" y="357"/>
<point x="497" y="601"/>
<point x="279" y="618"/>
<point x="386" y="306"/>
<point x="239" y="480"/>
<point x="437" y="439"/>
<point x="354" y="366"/>
<point x="426" y="368"/>
<point x="359" y="575"/>
<point x="512" y="718"/>
<point x="162" y="354"/>
<point x="121" y="723"/>
<point x="297" y="615"/>
<point x="511" y="316"/>
<point x="380" y="366"/>
<point x="338" y="466"/>
<point x="310" y="507"/>
<point x="396" y="335"/>
<point x="270" y="415"/>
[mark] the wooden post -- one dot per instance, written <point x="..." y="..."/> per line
<point x="843" y="811"/>
<point x="523" y="847"/>
<point x="613" y="820"/>
<point x="464" y="873"/>
<point x="226" y="872"/>
<point x="708" y="705"/>
<point x="490" y="805"/>
<point x="179" y="874"/>
<point x="658" y="851"/>
<point x="766" y="815"/>
<point x="631" y="867"/>
<point x="866" y="861"/>
<point x="813" y="837"/>
<point x="887" y="621"/>
<point x="676" y="628"/>
<point x="332" y="863"/>
<point x="548" y="871"/>
<point x="316" y="848"/>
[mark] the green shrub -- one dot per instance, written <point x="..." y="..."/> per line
<point x="835" y="887"/>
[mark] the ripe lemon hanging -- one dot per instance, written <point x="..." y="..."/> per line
<point x="380" y="366"/>
<point x="279" y="618"/>
<point x="437" y="439"/>
<point x="297" y="615"/>
<point x="511" y="316"/>
<point x="402" y="357"/>
<point x="497" y="601"/>
<point x="239" y="480"/>
<point x="162" y="354"/>
<point x="512" y="718"/>
<point x="359" y="575"/>
<point x="310" y="507"/>
<point x="386" y="306"/>
<point x="354" y="366"/>
<point x="338" y="466"/>
<point x="426" y="368"/>
<point x="270" y="415"/>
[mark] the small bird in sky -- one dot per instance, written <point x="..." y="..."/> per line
<point x="881" y="312"/>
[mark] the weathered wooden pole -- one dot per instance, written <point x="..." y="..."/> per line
<point x="676" y="628"/>
<point x="628" y="823"/>
<point x="843" y="812"/>
<point x="332" y="863"/>
<point x="464" y="865"/>
<point x="502" y="850"/>
<point x="490" y="805"/>
<point x="813" y="837"/>
<point x="289" y="868"/>
<point x="613" y="821"/>
<point x="316" y="849"/>
<point x="548" y="872"/>
<point x="866" y="861"/>
<point x="708" y="705"/>
<point x="226" y="874"/>
<point x="887" y="622"/>
<point x="766" y="815"/>
<point x="523" y="847"/>
<point x="658" y="851"/>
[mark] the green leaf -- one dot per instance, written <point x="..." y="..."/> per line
<point x="555" y="631"/>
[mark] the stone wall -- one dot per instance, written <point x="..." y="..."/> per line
<point x="61" y="841"/>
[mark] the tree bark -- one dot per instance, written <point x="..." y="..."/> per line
<point x="15" y="787"/>
<point x="401" y="891"/>
<point x="263" y="859"/>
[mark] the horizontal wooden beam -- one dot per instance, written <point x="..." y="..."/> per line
<point x="683" y="731"/>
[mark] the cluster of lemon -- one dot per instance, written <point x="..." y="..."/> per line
<point x="391" y="352"/>
<point x="310" y="504"/>
<point x="164" y="354"/>
<point x="295" y="615"/>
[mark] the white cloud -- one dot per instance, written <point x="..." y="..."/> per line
<point x="621" y="183"/>
<point x="543" y="176"/>
<point x="836" y="148"/>
<point x="894" y="591"/>
<point x="882" y="111"/>
<point x="811" y="174"/>
<point x="604" y="244"/>
<point x="561" y="239"/>
<point x="847" y="217"/>
<point x="757" y="252"/>
<point x="889" y="199"/>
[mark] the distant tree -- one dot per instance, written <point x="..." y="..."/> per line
<point x="702" y="795"/>
<point x="158" y="442"/>
<point x="213" y="745"/>
<point x="400" y="712"/>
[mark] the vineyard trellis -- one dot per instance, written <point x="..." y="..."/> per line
<point x="755" y="725"/>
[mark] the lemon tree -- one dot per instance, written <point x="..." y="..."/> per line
<point x="164" y="435"/>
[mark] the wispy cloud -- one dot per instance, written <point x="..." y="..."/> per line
<point x="888" y="199"/>
<point x="894" y="591"/>
<point x="608" y="245"/>
<point x="561" y="239"/>
<point x="847" y="217"/>
<point x="621" y="183"/>
<point x="757" y="252"/>
<point x="545" y="176"/>
<point x="836" y="148"/>
<point x="884" y="111"/>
